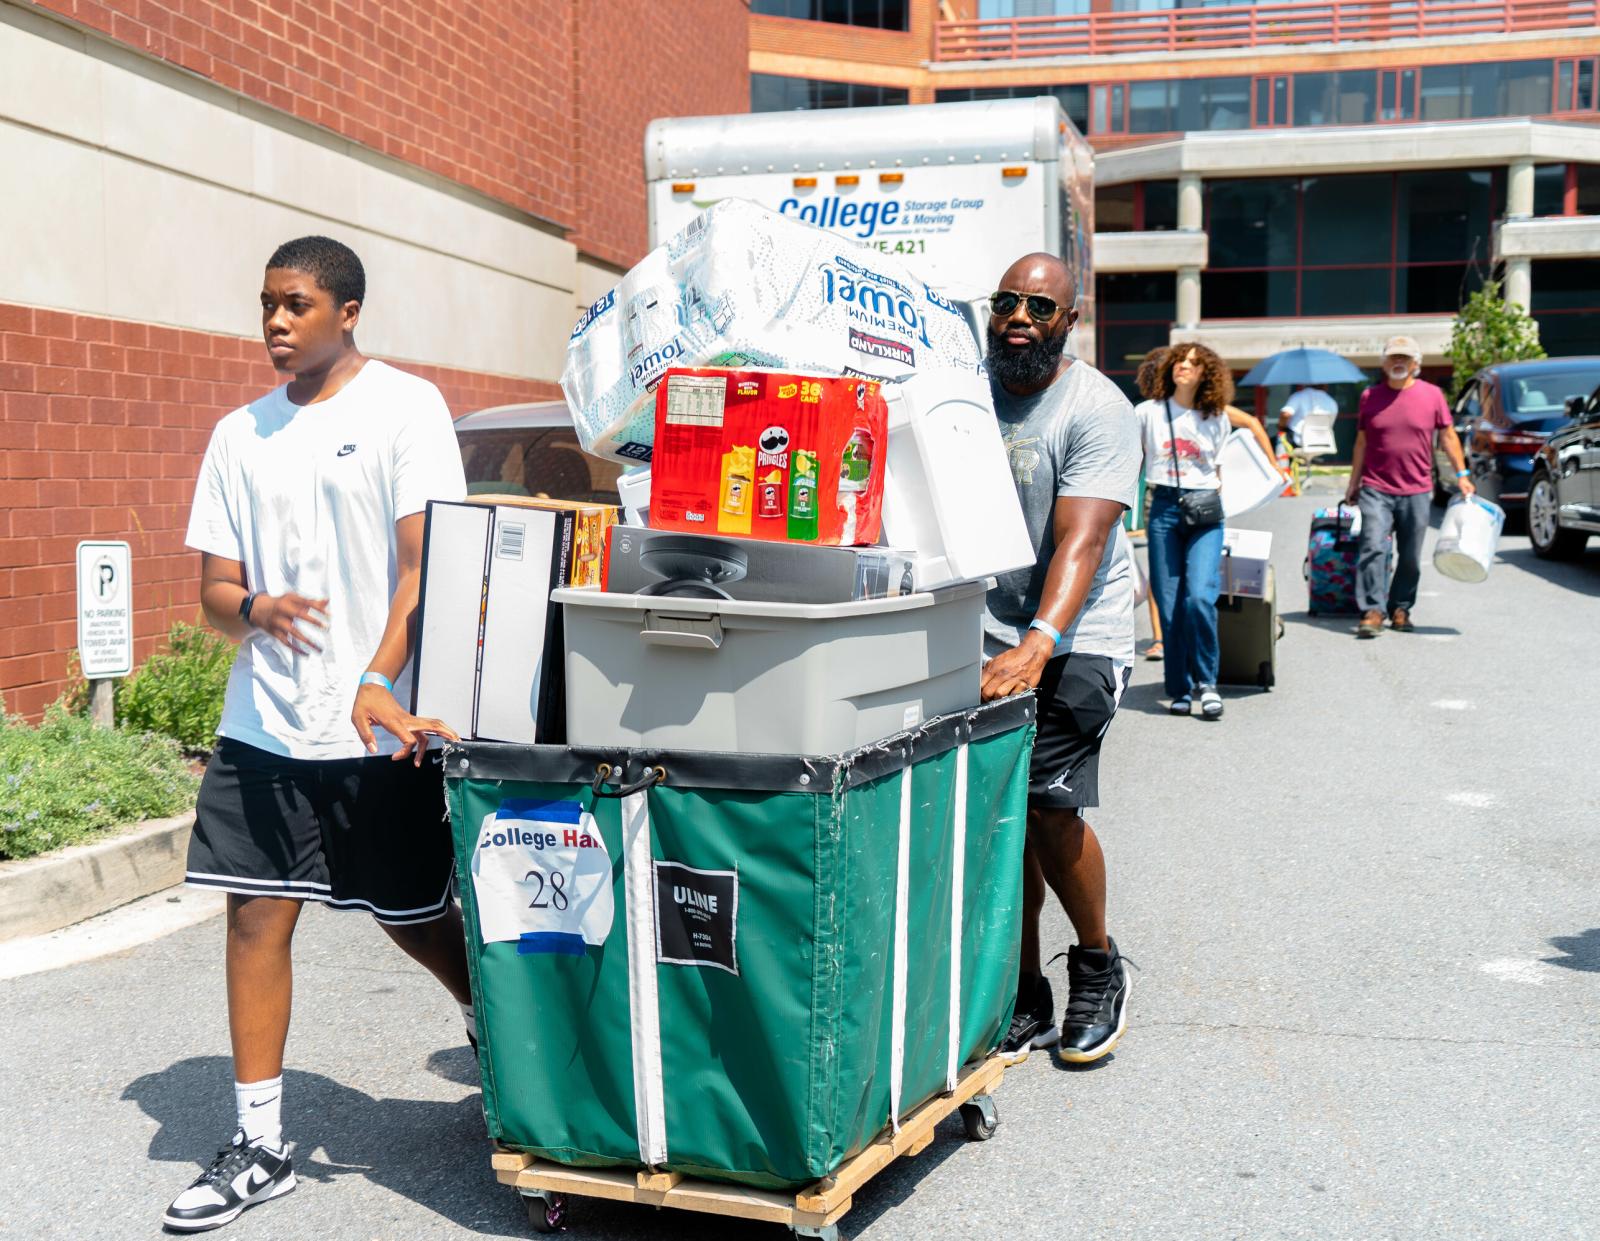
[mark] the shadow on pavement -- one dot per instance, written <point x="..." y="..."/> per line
<point x="1346" y="622"/>
<point x="433" y="1153"/>
<point x="1582" y="951"/>
<point x="1582" y="575"/>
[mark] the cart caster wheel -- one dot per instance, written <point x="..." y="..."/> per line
<point x="980" y="1117"/>
<point x="547" y="1212"/>
<point x="828" y="1232"/>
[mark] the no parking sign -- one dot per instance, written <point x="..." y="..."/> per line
<point x="105" y="610"/>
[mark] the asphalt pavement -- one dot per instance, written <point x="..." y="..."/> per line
<point x="1365" y="908"/>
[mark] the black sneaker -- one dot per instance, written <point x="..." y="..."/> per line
<point x="1033" y="1023"/>
<point x="242" y="1175"/>
<point x="1097" y="1009"/>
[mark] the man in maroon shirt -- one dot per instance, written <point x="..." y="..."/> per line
<point x="1392" y="477"/>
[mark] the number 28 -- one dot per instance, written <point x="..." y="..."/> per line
<point x="551" y="896"/>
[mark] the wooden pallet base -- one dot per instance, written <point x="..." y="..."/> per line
<point x="815" y="1206"/>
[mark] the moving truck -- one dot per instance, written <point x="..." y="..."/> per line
<point x="955" y="190"/>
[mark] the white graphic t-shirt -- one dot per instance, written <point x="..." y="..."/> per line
<point x="1194" y="442"/>
<point x="306" y="498"/>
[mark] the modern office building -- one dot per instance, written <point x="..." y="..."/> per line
<point x="484" y="160"/>
<point x="1270" y="175"/>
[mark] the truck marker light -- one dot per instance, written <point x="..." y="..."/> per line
<point x="805" y="183"/>
<point x="847" y="180"/>
<point x="891" y="178"/>
<point x="683" y="187"/>
<point x="1014" y="172"/>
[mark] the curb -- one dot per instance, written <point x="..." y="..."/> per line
<point x="39" y="895"/>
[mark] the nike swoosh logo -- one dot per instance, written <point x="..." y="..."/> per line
<point x="264" y="1102"/>
<point x="257" y="1184"/>
<point x="346" y="450"/>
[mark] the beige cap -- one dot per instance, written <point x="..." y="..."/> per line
<point x="1402" y="347"/>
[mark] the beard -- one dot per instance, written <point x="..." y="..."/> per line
<point x="1031" y="366"/>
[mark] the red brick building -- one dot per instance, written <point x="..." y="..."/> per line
<point x="484" y="160"/>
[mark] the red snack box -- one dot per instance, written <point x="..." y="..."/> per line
<point x="767" y="455"/>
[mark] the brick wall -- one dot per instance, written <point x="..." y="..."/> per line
<point x="102" y="426"/>
<point x="694" y="63"/>
<point x="539" y="103"/>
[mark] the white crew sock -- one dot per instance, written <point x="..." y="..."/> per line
<point x="260" y="1106"/>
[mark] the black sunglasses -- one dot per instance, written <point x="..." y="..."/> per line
<point x="1041" y="309"/>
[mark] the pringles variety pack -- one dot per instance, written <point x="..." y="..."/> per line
<point x="769" y="455"/>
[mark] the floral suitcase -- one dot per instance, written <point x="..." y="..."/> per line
<point x="1330" y="565"/>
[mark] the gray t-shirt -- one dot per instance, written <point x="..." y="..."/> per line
<point x="1079" y="437"/>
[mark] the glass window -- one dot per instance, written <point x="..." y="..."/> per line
<point x="1345" y="291"/>
<point x="1443" y="215"/>
<point x="1570" y="334"/>
<point x="1212" y="103"/>
<point x="1564" y="86"/>
<point x="773" y="93"/>
<point x="1149" y="108"/>
<point x="1073" y="97"/>
<point x="1124" y="345"/>
<point x="1347" y="220"/>
<point x="1566" y="284"/>
<point x="1355" y="97"/>
<point x="1589" y="189"/>
<point x="882" y="14"/>
<point x="1251" y="222"/>
<point x="1549" y="189"/>
<point x="1584" y="99"/>
<point x="1248" y="294"/>
<point x="1441" y="93"/>
<point x="1524" y="88"/>
<point x="1314" y="98"/>
<point x="1399" y="95"/>
<point x="1161" y="205"/>
<point x="1435" y="289"/>
<point x="1113" y="209"/>
<point x="1121" y="296"/>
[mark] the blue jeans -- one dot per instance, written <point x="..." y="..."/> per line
<point x="1185" y="577"/>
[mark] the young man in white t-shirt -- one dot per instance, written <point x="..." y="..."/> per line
<point x="309" y="518"/>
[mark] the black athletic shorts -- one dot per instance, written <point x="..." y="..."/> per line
<point x="1078" y="695"/>
<point x="356" y="833"/>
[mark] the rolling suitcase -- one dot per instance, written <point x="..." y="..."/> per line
<point x="1330" y="564"/>
<point x="1247" y="633"/>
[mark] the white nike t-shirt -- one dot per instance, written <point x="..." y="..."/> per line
<point x="306" y="498"/>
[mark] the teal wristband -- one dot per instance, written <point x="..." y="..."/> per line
<point x="1046" y="628"/>
<point x="377" y="678"/>
<point x="1463" y="473"/>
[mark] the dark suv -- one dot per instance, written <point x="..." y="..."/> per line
<point x="1503" y="417"/>
<point x="1564" y="496"/>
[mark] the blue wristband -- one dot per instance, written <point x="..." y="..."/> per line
<point x="377" y="678"/>
<point x="1046" y="628"/>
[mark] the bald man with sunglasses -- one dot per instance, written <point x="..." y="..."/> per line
<point x="1064" y="628"/>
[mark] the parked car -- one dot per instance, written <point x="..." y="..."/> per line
<point x="1504" y="415"/>
<point x="532" y="450"/>
<point x="1564" y="496"/>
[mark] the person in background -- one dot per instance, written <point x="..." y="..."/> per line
<point x="1186" y="418"/>
<point x="1063" y="626"/>
<point x="1306" y="399"/>
<point x="1391" y="478"/>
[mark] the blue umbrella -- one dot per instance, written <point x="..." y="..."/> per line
<point x="1303" y="366"/>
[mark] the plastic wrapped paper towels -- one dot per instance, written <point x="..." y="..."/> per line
<point x="744" y="287"/>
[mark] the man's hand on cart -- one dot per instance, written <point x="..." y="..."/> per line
<point x="1019" y="669"/>
<point x="377" y="707"/>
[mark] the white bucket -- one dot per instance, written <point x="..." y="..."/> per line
<point x="1468" y="536"/>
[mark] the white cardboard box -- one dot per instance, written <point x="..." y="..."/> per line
<point x="489" y="649"/>
<point x="1245" y="557"/>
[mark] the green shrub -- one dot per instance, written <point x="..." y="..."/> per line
<point x="178" y="691"/>
<point x="66" y="781"/>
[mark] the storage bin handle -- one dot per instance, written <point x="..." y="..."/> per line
<point x="651" y="777"/>
<point x="699" y="633"/>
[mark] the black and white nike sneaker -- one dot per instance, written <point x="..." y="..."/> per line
<point x="241" y="1176"/>
<point x="1033" y="1022"/>
<point x="1097" y="1003"/>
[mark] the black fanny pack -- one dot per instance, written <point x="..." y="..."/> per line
<point x="1195" y="508"/>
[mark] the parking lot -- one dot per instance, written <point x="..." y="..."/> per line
<point x="1363" y="908"/>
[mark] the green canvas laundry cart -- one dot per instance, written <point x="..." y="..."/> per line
<point x="739" y="983"/>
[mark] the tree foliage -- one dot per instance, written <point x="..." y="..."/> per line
<point x="1489" y="329"/>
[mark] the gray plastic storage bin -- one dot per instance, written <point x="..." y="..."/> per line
<point x="775" y="678"/>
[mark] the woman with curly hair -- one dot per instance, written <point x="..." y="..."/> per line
<point x="1186" y="417"/>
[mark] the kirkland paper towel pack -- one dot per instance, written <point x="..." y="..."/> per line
<point x="744" y="287"/>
